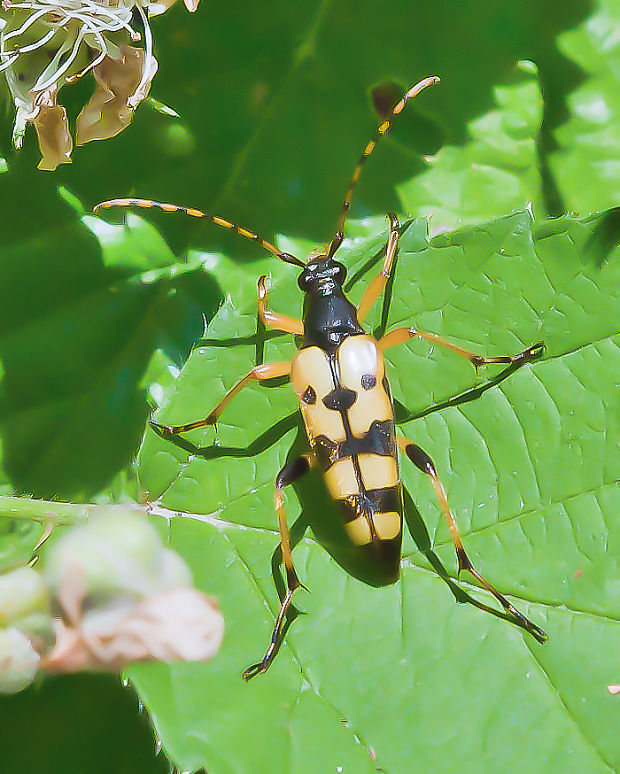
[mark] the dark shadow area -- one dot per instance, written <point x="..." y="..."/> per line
<point x="107" y="732"/>
<point x="419" y="533"/>
<point x="402" y="414"/>
<point x="74" y="350"/>
<point x="294" y="96"/>
<point x="257" y="339"/>
<point x="375" y="260"/>
<point x="257" y="446"/>
<point x="421" y="134"/>
<point x="604" y="238"/>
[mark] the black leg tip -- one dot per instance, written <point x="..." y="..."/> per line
<point x="531" y="353"/>
<point x="253" y="671"/>
<point x="538" y="634"/>
<point x="529" y="626"/>
<point x="537" y="350"/>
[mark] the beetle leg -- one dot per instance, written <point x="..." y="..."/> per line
<point x="258" y="373"/>
<point x="377" y="286"/>
<point x="424" y="463"/>
<point x="401" y="335"/>
<point x="272" y="320"/>
<point x="290" y="473"/>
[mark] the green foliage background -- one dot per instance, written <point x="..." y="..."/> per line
<point x="96" y="318"/>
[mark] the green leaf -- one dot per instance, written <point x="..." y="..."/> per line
<point x="17" y="541"/>
<point x="76" y="344"/>
<point x="495" y="172"/>
<point x="384" y="676"/>
<point x="112" y="735"/>
<point x="586" y="164"/>
<point x="277" y="109"/>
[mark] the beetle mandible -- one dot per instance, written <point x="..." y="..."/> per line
<point x="338" y="375"/>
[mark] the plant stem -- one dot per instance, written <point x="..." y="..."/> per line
<point x="42" y="510"/>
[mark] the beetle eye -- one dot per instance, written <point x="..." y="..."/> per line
<point x="302" y="281"/>
<point x="340" y="274"/>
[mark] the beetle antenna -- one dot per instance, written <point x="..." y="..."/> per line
<point x="194" y="213"/>
<point x="384" y="127"/>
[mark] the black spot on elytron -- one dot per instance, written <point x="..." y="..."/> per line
<point x="378" y="440"/>
<point x="309" y="395"/>
<point x="382" y="559"/>
<point x="340" y="399"/>
<point x="368" y="381"/>
<point x="326" y="451"/>
<point x="371" y="502"/>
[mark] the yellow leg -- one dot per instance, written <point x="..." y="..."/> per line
<point x="258" y="373"/>
<point x="290" y="473"/>
<point x="424" y="463"/>
<point x="401" y="335"/>
<point x="377" y="286"/>
<point x="279" y="322"/>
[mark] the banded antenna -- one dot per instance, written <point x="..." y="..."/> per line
<point x="194" y="213"/>
<point x="384" y="127"/>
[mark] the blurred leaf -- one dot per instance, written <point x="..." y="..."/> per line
<point x="587" y="162"/>
<point x="136" y="246"/>
<point x="531" y="465"/>
<point x="107" y="735"/>
<point x="17" y="540"/>
<point x="278" y="106"/>
<point x="76" y="344"/>
<point x="495" y="172"/>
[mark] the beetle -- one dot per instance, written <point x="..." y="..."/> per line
<point x="338" y="375"/>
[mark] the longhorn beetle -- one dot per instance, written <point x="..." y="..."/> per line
<point x="339" y="378"/>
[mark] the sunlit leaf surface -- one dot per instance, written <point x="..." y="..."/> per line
<point x="530" y="463"/>
<point x="586" y="163"/>
<point x="495" y="172"/>
<point x="274" y="110"/>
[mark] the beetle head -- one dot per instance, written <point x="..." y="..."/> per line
<point x="322" y="275"/>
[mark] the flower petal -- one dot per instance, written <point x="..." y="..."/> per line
<point x="161" y="6"/>
<point x="55" y="141"/>
<point x="111" y="107"/>
<point x="178" y="625"/>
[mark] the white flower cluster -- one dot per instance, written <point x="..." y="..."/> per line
<point x="44" y="45"/>
<point x="110" y="594"/>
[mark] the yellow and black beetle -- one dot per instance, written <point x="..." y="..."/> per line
<point x="339" y="378"/>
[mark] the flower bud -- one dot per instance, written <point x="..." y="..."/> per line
<point x="19" y="661"/>
<point x="22" y="593"/>
<point x="117" y="553"/>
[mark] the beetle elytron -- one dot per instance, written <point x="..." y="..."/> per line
<point x="339" y="378"/>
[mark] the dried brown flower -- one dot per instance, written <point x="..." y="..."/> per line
<point x="44" y="45"/>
